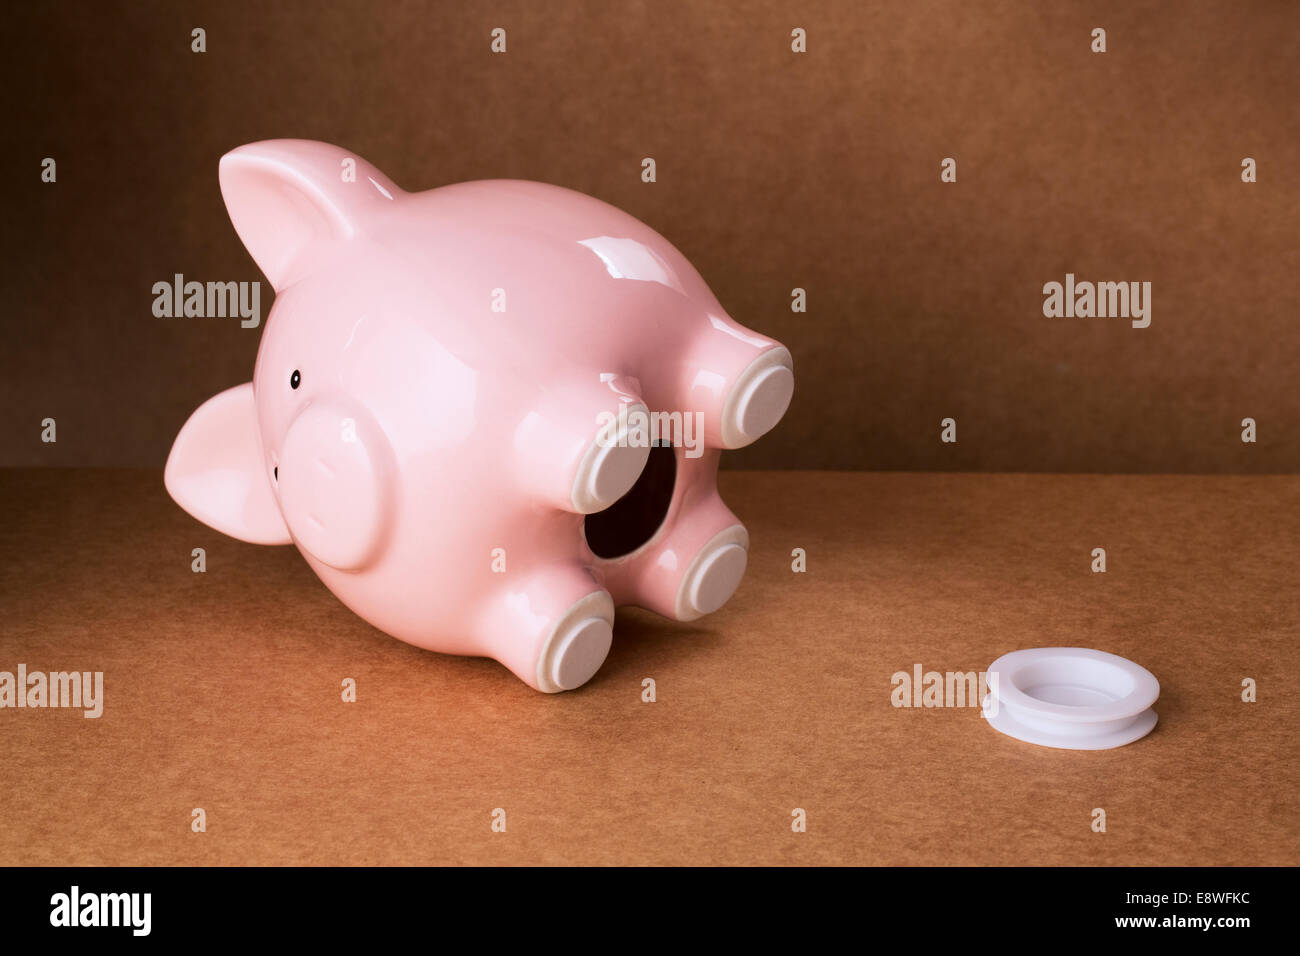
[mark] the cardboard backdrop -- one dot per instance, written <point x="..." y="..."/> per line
<point x="776" y="170"/>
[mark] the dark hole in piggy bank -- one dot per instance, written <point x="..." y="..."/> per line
<point x="633" y="520"/>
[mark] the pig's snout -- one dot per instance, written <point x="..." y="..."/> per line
<point x="335" y="485"/>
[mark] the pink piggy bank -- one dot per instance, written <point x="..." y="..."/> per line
<point x="454" y="406"/>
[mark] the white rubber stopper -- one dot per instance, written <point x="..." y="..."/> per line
<point x="1073" y="698"/>
<point x="759" y="398"/>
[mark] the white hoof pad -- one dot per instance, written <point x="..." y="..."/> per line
<point x="713" y="575"/>
<point x="759" y="399"/>
<point x="579" y="653"/>
<point x="608" y="470"/>
<point x="577" y="644"/>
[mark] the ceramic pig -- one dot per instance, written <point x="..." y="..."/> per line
<point x="450" y="382"/>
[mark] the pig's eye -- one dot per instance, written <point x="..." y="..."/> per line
<point x="295" y="379"/>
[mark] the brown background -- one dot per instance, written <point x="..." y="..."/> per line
<point x="775" y="171"/>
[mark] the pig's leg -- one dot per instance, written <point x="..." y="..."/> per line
<point x="578" y="448"/>
<point x="694" y="562"/>
<point x="740" y="381"/>
<point x="551" y="625"/>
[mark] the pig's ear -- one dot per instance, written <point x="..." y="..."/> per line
<point x="216" y="471"/>
<point x="287" y="196"/>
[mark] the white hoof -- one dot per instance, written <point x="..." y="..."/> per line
<point x="759" y="399"/>
<point x="714" y="574"/>
<point x="578" y="644"/>
<point x="609" y="469"/>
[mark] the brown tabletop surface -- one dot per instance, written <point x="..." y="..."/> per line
<point x="222" y="690"/>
